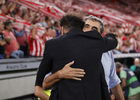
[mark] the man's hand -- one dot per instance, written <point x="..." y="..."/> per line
<point x="67" y="73"/>
<point x="71" y="73"/>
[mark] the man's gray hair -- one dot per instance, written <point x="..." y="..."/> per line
<point x="96" y="19"/>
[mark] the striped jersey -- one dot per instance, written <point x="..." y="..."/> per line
<point x="36" y="46"/>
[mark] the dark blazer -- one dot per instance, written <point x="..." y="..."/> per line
<point x="86" y="49"/>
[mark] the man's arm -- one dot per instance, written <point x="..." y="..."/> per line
<point x="51" y="80"/>
<point x="123" y="77"/>
<point x="123" y="85"/>
<point x="40" y="93"/>
<point x="117" y="91"/>
<point x="33" y="32"/>
<point x="44" y="68"/>
<point x="114" y="81"/>
<point x="67" y="73"/>
<point x="110" y="42"/>
<point x="45" y="65"/>
<point x="12" y="8"/>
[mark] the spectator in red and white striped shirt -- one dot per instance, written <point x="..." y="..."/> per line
<point x="128" y="45"/>
<point x="19" y="14"/>
<point x="47" y="35"/>
<point x="36" y="45"/>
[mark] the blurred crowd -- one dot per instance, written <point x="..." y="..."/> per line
<point x="130" y="79"/>
<point x="128" y="37"/>
<point x="125" y="6"/>
<point x="18" y="43"/>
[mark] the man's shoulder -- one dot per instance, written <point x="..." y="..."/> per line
<point x="133" y="67"/>
<point x="93" y="34"/>
<point x="55" y="40"/>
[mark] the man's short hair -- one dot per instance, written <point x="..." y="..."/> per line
<point x="7" y="22"/>
<point x="72" y="20"/>
<point x="118" y="65"/>
<point x="96" y="19"/>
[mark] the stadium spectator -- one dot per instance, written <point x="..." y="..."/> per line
<point x="50" y="22"/>
<point x="136" y="68"/>
<point x="128" y="43"/>
<point x="21" y="37"/>
<point x="44" y="22"/>
<point x="36" y="45"/>
<point x="2" y="41"/>
<point x="25" y="16"/>
<point x="12" y="48"/>
<point x="19" y="13"/>
<point x="57" y="28"/>
<point x="8" y="7"/>
<point x="130" y="83"/>
<point x="54" y="34"/>
<point x="136" y="65"/>
<point x="35" y="16"/>
<point x="47" y="35"/>
<point x="4" y="10"/>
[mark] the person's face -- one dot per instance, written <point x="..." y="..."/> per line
<point x="136" y="62"/>
<point x="10" y="27"/>
<point x="20" y="13"/>
<point x="1" y="26"/>
<point x="92" y="25"/>
<point x="49" y="23"/>
<point x="26" y="17"/>
<point x="4" y="9"/>
<point x="50" y="31"/>
<point x="53" y="33"/>
<point x="118" y="70"/>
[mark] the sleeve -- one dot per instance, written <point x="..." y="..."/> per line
<point x="45" y="66"/>
<point x="19" y="34"/>
<point x="114" y="79"/>
<point x="110" y="42"/>
<point x="50" y="73"/>
<point x="123" y="74"/>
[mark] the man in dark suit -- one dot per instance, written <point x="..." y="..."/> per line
<point x="86" y="50"/>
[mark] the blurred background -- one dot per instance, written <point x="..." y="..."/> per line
<point x="22" y="19"/>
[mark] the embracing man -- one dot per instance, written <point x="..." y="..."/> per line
<point x="85" y="49"/>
